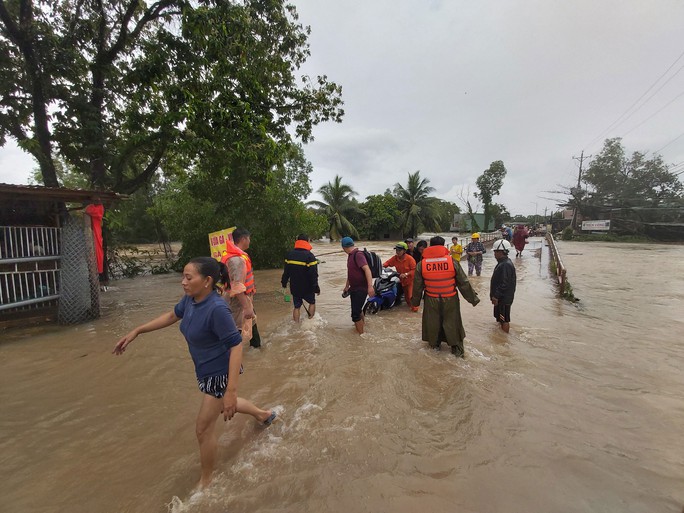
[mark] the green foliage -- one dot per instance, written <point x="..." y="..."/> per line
<point x="195" y="204"/>
<point x="446" y="211"/>
<point x="500" y="214"/>
<point x="125" y="82"/>
<point x="380" y="216"/>
<point x="337" y="206"/>
<point x="617" y="181"/>
<point x="567" y="233"/>
<point x="419" y="211"/>
<point x="489" y="183"/>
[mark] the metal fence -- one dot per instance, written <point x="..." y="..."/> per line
<point x="561" y="272"/>
<point x="29" y="267"/>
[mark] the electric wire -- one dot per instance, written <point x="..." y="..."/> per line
<point x="619" y="119"/>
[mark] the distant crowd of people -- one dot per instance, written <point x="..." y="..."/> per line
<point x="217" y="313"/>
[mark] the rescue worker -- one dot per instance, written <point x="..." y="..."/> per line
<point x="440" y="277"/>
<point x="406" y="267"/>
<point x="240" y="292"/>
<point x="301" y="270"/>
<point x="502" y="285"/>
<point x="475" y="250"/>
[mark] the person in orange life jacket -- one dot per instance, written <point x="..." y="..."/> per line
<point x="215" y="346"/>
<point x="359" y="282"/>
<point x="502" y="285"/>
<point x="406" y="267"/>
<point x="439" y="276"/>
<point x="301" y="270"/>
<point x="240" y="291"/>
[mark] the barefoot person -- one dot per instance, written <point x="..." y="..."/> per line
<point x="216" y="349"/>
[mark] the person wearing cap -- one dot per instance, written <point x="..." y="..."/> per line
<point x="502" y="285"/>
<point x="301" y="270"/>
<point x="410" y="247"/>
<point x="475" y="250"/>
<point x="359" y="281"/>
<point x="406" y="267"/>
<point x="441" y="278"/>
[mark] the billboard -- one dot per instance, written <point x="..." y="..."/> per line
<point x="596" y="226"/>
<point x="217" y="241"/>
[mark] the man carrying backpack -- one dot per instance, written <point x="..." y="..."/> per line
<point x="359" y="281"/>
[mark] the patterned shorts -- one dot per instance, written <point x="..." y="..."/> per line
<point x="215" y="385"/>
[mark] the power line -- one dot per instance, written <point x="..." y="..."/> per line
<point x="618" y="120"/>
<point x="673" y="140"/>
<point x="652" y="115"/>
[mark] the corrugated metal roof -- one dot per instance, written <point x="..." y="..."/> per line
<point x="42" y="193"/>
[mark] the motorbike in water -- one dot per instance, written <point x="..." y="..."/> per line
<point x="385" y="297"/>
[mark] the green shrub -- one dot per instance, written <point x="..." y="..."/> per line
<point x="567" y="233"/>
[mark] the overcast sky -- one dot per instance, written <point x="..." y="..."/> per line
<point x="447" y="87"/>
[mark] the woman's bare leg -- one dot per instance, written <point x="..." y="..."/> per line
<point x="245" y="406"/>
<point x="205" y="429"/>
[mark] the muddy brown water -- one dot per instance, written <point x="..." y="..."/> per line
<point x="579" y="409"/>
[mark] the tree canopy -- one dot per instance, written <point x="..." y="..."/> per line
<point x="489" y="183"/>
<point x="418" y="209"/>
<point x="116" y="88"/>
<point x="337" y="206"/>
<point x="615" y="180"/>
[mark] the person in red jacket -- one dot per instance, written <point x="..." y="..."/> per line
<point x="406" y="267"/>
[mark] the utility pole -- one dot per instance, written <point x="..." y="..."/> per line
<point x="575" y="191"/>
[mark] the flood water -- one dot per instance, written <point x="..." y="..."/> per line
<point x="579" y="409"/>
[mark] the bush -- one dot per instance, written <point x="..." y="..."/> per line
<point x="567" y="233"/>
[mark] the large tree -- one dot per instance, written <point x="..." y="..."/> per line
<point x="419" y="210"/>
<point x="615" y="180"/>
<point x="489" y="183"/>
<point x="337" y="206"/>
<point x="380" y="215"/>
<point x="113" y="87"/>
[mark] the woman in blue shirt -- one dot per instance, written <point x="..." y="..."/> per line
<point x="215" y="346"/>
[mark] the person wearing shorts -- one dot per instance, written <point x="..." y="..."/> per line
<point x="502" y="285"/>
<point x="215" y="346"/>
<point x="301" y="270"/>
<point x="359" y="283"/>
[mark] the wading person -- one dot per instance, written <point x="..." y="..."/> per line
<point x="475" y="250"/>
<point x="410" y="245"/>
<point x="215" y="346"/>
<point x="241" y="289"/>
<point x="441" y="278"/>
<point x="502" y="285"/>
<point x="456" y="250"/>
<point x="520" y="236"/>
<point x="406" y="267"/>
<point x="359" y="281"/>
<point x="418" y="250"/>
<point x="301" y="270"/>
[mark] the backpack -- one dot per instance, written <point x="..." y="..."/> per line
<point x="374" y="262"/>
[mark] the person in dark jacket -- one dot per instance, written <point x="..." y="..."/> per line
<point x="301" y="270"/>
<point x="502" y="285"/>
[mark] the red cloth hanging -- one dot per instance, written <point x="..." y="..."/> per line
<point x="96" y="212"/>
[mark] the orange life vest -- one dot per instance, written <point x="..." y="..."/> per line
<point x="232" y="251"/>
<point x="438" y="272"/>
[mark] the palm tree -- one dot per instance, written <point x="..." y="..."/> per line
<point x="418" y="209"/>
<point x="336" y="206"/>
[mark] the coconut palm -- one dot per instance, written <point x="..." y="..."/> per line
<point x="418" y="209"/>
<point x="336" y="206"/>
